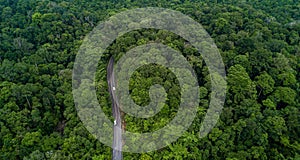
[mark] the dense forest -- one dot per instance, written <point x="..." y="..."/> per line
<point x="259" y="41"/>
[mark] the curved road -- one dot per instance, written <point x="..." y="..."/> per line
<point x="117" y="140"/>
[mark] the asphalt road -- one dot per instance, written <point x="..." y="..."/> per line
<point x="117" y="139"/>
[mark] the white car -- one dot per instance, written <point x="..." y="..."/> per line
<point x="114" y="88"/>
<point x="115" y="122"/>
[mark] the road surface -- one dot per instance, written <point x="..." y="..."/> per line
<point x="117" y="139"/>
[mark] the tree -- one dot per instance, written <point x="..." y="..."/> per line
<point x="264" y="83"/>
<point x="240" y="84"/>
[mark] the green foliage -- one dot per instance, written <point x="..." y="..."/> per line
<point x="259" y="44"/>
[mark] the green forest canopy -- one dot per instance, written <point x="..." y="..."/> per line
<point x="258" y="40"/>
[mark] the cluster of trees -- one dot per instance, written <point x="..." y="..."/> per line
<point x="259" y="42"/>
